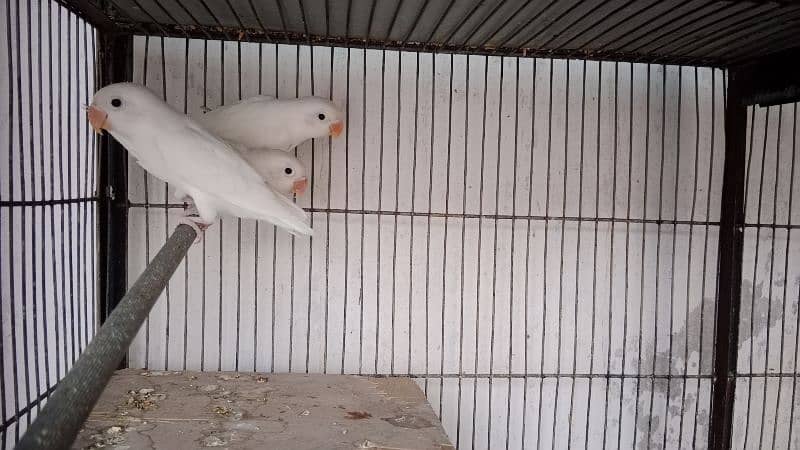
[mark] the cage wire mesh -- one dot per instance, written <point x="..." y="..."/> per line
<point x="768" y="355"/>
<point x="533" y="240"/>
<point x="48" y="203"/>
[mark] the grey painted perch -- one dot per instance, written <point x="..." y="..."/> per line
<point x="58" y="423"/>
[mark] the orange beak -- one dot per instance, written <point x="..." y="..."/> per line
<point x="299" y="186"/>
<point x="336" y="128"/>
<point x="97" y="118"/>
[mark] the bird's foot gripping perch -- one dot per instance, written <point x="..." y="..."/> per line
<point x="192" y="218"/>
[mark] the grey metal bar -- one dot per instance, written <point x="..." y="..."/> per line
<point x="729" y="281"/>
<point x="116" y="61"/>
<point x="64" y="414"/>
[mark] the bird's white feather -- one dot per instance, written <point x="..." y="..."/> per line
<point x="212" y="167"/>
<point x="177" y="150"/>
<point x="267" y="122"/>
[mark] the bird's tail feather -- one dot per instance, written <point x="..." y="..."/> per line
<point x="295" y="228"/>
<point x="299" y="221"/>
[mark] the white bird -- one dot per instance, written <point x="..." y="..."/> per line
<point x="266" y="122"/>
<point x="281" y="170"/>
<point x="176" y="149"/>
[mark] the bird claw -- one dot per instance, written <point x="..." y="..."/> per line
<point x="197" y="225"/>
<point x="190" y="209"/>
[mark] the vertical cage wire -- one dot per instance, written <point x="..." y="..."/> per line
<point x="598" y="334"/>
<point x="533" y="240"/>
<point x="48" y="204"/>
<point x="769" y="321"/>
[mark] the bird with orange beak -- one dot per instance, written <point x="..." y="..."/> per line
<point x="174" y="148"/>
<point x="265" y="122"/>
<point x="281" y="170"/>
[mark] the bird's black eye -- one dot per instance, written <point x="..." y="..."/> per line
<point x="288" y="171"/>
<point x="116" y="103"/>
<point x="321" y="116"/>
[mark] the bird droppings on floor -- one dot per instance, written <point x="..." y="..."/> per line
<point x="408" y="421"/>
<point x="188" y="410"/>
<point x="223" y="411"/>
<point x="144" y="399"/>
<point x="111" y="437"/>
<point x="213" y="441"/>
<point x="158" y="373"/>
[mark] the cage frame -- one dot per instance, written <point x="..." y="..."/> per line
<point x="764" y="79"/>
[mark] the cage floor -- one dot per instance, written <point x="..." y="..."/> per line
<point x="185" y="410"/>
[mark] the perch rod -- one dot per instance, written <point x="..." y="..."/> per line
<point x="66" y="410"/>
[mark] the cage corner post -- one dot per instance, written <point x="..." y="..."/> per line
<point x="730" y="251"/>
<point x="115" y="55"/>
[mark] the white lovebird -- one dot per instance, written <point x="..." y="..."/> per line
<point x="281" y="170"/>
<point x="266" y="122"/>
<point x="176" y="149"/>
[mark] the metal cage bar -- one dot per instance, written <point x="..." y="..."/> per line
<point x="633" y="30"/>
<point x="116" y="58"/>
<point x="730" y="266"/>
<point x="47" y="205"/>
<point x="404" y="83"/>
<point x="509" y="181"/>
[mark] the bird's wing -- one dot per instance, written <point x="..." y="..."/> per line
<point x="206" y="164"/>
<point x="247" y="101"/>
